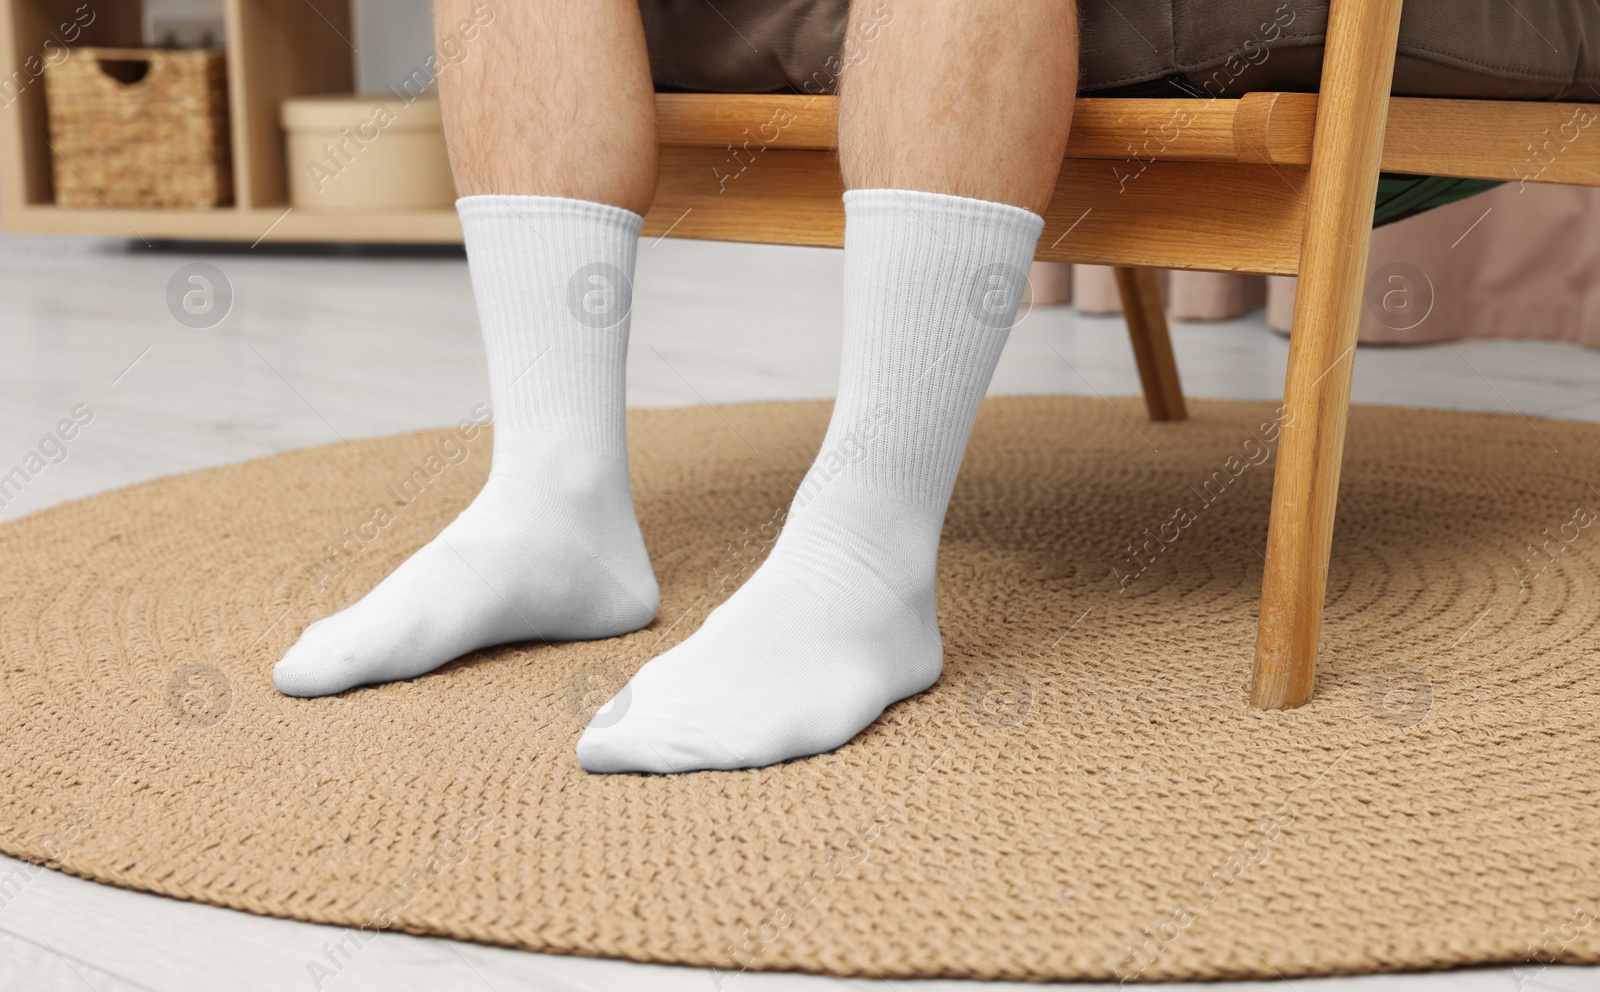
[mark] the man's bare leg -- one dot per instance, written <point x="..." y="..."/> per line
<point x="550" y="118"/>
<point x="550" y="99"/>
<point x="960" y="97"/>
<point x="953" y="124"/>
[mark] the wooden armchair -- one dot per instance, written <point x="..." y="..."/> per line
<point x="1280" y="183"/>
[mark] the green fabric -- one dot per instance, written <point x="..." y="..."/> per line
<point x="1400" y="196"/>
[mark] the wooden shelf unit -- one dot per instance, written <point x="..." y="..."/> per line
<point x="275" y="49"/>
<point x="239" y="224"/>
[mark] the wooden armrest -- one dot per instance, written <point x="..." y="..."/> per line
<point x="1476" y="139"/>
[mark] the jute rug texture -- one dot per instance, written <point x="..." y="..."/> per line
<point x="1084" y="795"/>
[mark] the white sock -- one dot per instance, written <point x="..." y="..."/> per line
<point x="549" y="550"/>
<point x="839" y="622"/>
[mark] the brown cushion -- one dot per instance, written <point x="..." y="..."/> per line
<point x="1523" y="49"/>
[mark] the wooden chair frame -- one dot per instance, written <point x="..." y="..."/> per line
<point x="1277" y="183"/>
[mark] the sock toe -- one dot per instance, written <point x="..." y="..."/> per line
<point x="313" y="667"/>
<point x="652" y="743"/>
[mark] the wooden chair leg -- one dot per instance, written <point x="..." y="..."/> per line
<point x="1146" y="314"/>
<point x="1358" y="66"/>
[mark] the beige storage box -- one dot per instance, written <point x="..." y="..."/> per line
<point x="350" y="153"/>
<point x="139" y="127"/>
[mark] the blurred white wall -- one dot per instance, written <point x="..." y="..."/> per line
<point x="393" y="37"/>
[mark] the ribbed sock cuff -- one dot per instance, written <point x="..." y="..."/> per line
<point x="932" y="283"/>
<point x="512" y="205"/>
<point x="1001" y="219"/>
<point x="553" y="278"/>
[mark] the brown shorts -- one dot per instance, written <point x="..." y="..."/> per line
<point x="1527" y="50"/>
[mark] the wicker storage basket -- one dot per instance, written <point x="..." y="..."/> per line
<point x="140" y="127"/>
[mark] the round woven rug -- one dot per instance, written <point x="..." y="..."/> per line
<point x="1084" y="795"/>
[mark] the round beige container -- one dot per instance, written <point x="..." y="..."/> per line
<point x="349" y="153"/>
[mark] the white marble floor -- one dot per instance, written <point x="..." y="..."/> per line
<point x="336" y="344"/>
